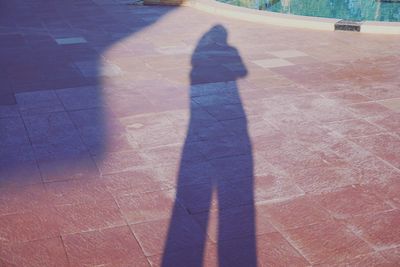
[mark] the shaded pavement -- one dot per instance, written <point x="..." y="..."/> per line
<point x="137" y="136"/>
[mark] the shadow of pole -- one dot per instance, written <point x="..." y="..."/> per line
<point x="217" y="137"/>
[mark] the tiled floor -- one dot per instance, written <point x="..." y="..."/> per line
<point x="161" y="136"/>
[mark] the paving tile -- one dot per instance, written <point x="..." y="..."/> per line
<point x="385" y="146"/>
<point x="351" y="201"/>
<point x="81" y="191"/>
<point x="9" y="111"/>
<point x="370" y="109"/>
<point x="39" y="102"/>
<point x="80" y="97"/>
<point x="390" y="123"/>
<point x="293" y="213"/>
<point x="392" y="255"/>
<point x="270" y="250"/>
<point x="22" y="198"/>
<point x="28" y="226"/>
<point x="114" y="246"/>
<point x="233" y="223"/>
<point x="70" y="40"/>
<point x="38" y="253"/>
<point x="13" y="132"/>
<point x="287" y="53"/>
<point x="51" y="128"/>
<point x="328" y="243"/>
<point x="188" y="257"/>
<point x="354" y="128"/>
<point x="118" y="161"/>
<point x="16" y="173"/>
<point x="154" y="238"/>
<point x="393" y="104"/>
<point x="76" y="218"/>
<point x="149" y="207"/>
<point x="67" y="166"/>
<point x="134" y="183"/>
<point x="347" y="97"/>
<point x="272" y="63"/>
<point x="371" y="259"/>
<point x="98" y="69"/>
<point x="379" y="229"/>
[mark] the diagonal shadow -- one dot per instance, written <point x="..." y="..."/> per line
<point x="54" y="118"/>
<point x="217" y="135"/>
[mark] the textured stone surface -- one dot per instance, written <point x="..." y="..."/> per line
<point x="138" y="135"/>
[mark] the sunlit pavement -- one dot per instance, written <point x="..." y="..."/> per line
<point x="104" y="105"/>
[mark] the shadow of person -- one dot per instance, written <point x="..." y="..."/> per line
<point x="216" y="160"/>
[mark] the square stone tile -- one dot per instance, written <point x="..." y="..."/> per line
<point x="149" y="206"/>
<point x="98" y="68"/>
<point x="109" y="247"/>
<point x="393" y="104"/>
<point x="70" y="40"/>
<point x="327" y="243"/>
<point x="76" y="218"/>
<point x="293" y="213"/>
<point x="39" y="102"/>
<point x="153" y="236"/>
<point x="351" y="201"/>
<point x="379" y="229"/>
<point x="12" y="132"/>
<point x="270" y="249"/>
<point x="288" y="53"/>
<point x="28" y="226"/>
<point x="81" y="97"/>
<point x="385" y="146"/>
<point x="38" y="253"/>
<point x="272" y="63"/>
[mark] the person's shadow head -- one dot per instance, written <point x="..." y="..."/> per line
<point x="214" y="60"/>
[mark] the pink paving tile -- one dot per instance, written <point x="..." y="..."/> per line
<point x="294" y="213"/>
<point x="370" y="109"/>
<point x="112" y="247"/>
<point x="188" y="257"/>
<point x="77" y="218"/>
<point x="381" y="230"/>
<point x="118" y="161"/>
<point x="371" y="259"/>
<point x="271" y="187"/>
<point x="86" y="190"/>
<point x="325" y="179"/>
<point x="28" y="226"/>
<point x="271" y="250"/>
<point x="22" y="199"/>
<point x="351" y="201"/>
<point x="133" y="183"/>
<point x="152" y="236"/>
<point x="387" y="190"/>
<point x="385" y="146"/>
<point x="328" y="243"/>
<point x="173" y="155"/>
<point x="390" y="123"/>
<point x="233" y="223"/>
<point x="347" y="97"/>
<point x="149" y="206"/>
<point x="39" y="253"/>
<point x="354" y="128"/>
<point x="392" y="255"/>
